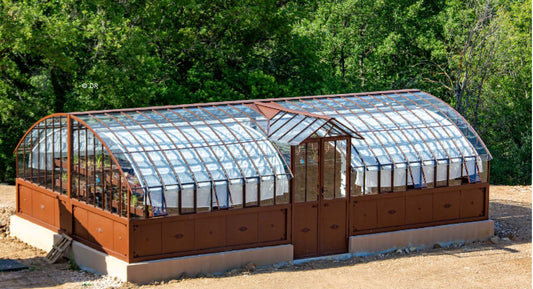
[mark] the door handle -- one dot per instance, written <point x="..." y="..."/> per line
<point x="326" y="205"/>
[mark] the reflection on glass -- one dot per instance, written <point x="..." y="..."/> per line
<point x="299" y="173"/>
<point x="340" y="169"/>
<point x="330" y="171"/>
<point x="312" y="171"/>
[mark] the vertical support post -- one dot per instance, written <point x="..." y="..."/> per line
<point x="53" y="154"/>
<point x="69" y="155"/>
<point x="348" y="185"/>
<point x="24" y="162"/>
<point x="45" y="154"/>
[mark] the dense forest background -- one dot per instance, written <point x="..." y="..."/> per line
<point x="59" y="56"/>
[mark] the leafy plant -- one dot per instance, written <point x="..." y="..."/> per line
<point x="134" y="199"/>
<point x="98" y="161"/>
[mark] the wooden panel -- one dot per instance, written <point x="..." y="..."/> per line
<point x="241" y="229"/>
<point x="446" y="205"/>
<point x="472" y="203"/>
<point x="25" y="198"/>
<point x="147" y="239"/>
<point x="101" y="229"/>
<point x="418" y="208"/>
<point x="304" y="230"/>
<point x="363" y="215"/>
<point x="272" y="225"/>
<point x="391" y="212"/>
<point x="178" y="236"/>
<point x="120" y="238"/>
<point x="65" y="217"/>
<point x="332" y="226"/>
<point x="43" y="208"/>
<point x="210" y="232"/>
<point x="80" y="224"/>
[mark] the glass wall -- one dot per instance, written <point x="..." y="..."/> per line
<point x="42" y="157"/>
<point x="194" y="159"/>
<point x="96" y="178"/>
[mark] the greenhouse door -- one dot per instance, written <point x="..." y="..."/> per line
<point x="319" y="197"/>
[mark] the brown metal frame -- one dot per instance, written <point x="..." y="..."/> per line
<point x="320" y="203"/>
<point x="37" y="191"/>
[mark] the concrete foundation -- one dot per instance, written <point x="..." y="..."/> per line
<point x="142" y="272"/>
<point x="421" y="238"/>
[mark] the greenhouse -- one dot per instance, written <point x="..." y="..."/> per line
<point x="310" y="172"/>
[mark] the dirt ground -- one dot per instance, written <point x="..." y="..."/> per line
<point x="503" y="262"/>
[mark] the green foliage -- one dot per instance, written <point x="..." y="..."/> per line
<point x="87" y="55"/>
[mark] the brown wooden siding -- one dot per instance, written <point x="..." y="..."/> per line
<point x="420" y="208"/>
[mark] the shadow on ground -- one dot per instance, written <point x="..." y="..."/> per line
<point x="40" y="274"/>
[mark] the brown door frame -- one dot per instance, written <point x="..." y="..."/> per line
<point x="320" y="202"/>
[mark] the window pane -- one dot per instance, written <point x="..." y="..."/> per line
<point x="340" y="169"/>
<point x="312" y="171"/>
<point x="299" y="173"/>
<point x="331" y="173"/>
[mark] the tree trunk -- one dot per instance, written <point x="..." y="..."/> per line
<point x="59" y="81"/>
<point x="361" y="71"/>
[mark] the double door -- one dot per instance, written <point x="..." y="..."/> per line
<point x="319" y="197"/>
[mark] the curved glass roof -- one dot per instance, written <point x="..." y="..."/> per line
<point x="188" y="147"/>
<point x="398" y="129"/>
<point x="169" y="147"/>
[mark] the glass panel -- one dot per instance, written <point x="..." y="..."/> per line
<point x="386" y="178"/>
<point x="62" y="156"/>
<point x="455" y="173"/>
<point x="299" y="172"/>
<point x="157" y="200"/>
<point x="331" y="174"/>
<point x="442" y="173"/>
<point x="236" y="190"/>
<point x="400" y="178"/>
<point x="282" y="190"/>
<point x="358" y="177"/>
<point x="267" y="191"/>
<point x="123" y="198"/>
<point x="222" y="195"/>
<point x="471" y="169"/>
<point x="417" y="174"/>
<point x="312" y="161"/>
<point x="137" y="203"/>
<point x="371" y="182"/>
<point x="429" y="172"/>
<point x="251" y="192"/>
<point x="203" y="197"/>
<point x="187" y="199"/>
<point x="172" y="199"/>
<point x="340" y="169"/>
